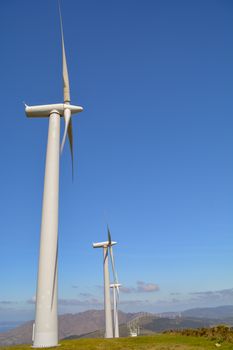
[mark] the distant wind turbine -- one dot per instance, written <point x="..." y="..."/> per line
<point x="45" y="329"/>
<point x="115" y="288"/>
<point x="107" y="300"/>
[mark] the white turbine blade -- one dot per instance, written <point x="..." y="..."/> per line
<point x="114" y="270"/>
<point x="109" y="237"/>
<point x="106" y="255"/>
<point x="70" y="137"/>
<point x="54" y="278"/>
<point x="68" y="130"/>
<point x="67" y="118"/>
<point x="66" y="85"/>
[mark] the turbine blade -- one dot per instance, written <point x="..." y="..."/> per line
<point x="117" y="298"/>
<point x="67" y="118"/>
<point x="68" y="130"/>
<point x="54" y="279"/>
<point x="109" y="236"/>
<point x="66" y="85"/>
<point x="106" y="255"/>
<point x="70" y="137"/>
<point x="113" y="269"/>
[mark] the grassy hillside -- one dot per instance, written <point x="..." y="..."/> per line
<point x="157" y="342"/>
<point x="90" y="324"/>
<point x="151" y="324"/>
<point x="220" y="333"/>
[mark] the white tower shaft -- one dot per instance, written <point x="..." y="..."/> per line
<point x="46" y="324"/>
<point x="115" y="313"/>
<point x="107" y="300"/>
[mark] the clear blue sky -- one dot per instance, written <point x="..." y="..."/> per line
<point x="152" y="150"/>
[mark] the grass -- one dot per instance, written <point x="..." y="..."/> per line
<point x="155" y="342"/>
<point x="219" y="333"/>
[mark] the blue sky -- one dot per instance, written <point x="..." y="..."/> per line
<point x="152" y="150"/>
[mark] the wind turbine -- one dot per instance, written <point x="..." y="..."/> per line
<point x="107" y="301"/>
<point x="115" y="287"/>
<point x="45" y="329"/>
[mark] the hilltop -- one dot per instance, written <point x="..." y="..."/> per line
<point x="69" y="324"/>
<point x="90" y="324"/>
<point x="155" y="342"/>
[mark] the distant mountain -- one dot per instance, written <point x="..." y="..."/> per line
<point x="149" y="324"/>
<point x="154" y="324"/>
<point x="91" y="323"/>
<point x="69" y="324"/>
<point x="220" y="312"/>
<point x="18" y="335"/>
<point x="6" y="326"/>
<point x="86" y="322"/>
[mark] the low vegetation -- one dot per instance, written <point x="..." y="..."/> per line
<point x="171" y="341"/>
<point x="219" y="334"/>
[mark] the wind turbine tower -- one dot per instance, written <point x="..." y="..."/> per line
<point x="107" y="300"/>
<point x="45" y="329"/>
<point x="115" y="289"/>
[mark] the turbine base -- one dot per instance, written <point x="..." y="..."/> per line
<point x="45" y="340"/>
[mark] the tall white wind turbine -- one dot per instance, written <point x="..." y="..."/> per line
<point x="115" y="287"/>
<point x="45" y="329"/>
<point x="107" y="300"/>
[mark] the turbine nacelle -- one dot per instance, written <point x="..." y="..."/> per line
<point x="115" y="285"/>
<point x="42" y="111"/>
<point x="103" y="244"/>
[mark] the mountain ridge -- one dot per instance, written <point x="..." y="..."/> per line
<point x="91" y="323"/>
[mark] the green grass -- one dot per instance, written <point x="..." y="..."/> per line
<point x="155" y="342"/>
